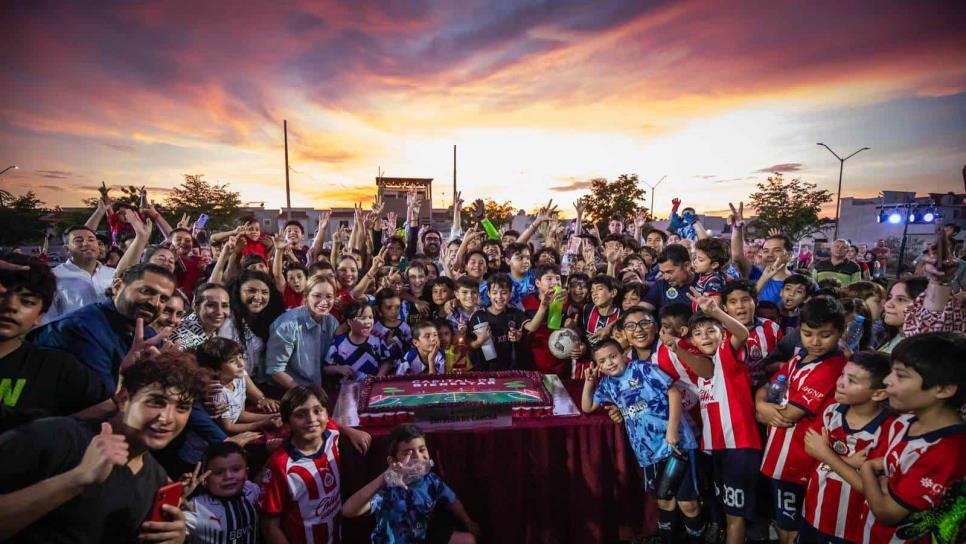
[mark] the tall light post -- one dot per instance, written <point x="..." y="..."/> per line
<point x="11" y="167"/>
<point x="653" y="187"/>
<point x="838" y="195"/>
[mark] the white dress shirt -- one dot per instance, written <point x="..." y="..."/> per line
<point x="76" y="288"/>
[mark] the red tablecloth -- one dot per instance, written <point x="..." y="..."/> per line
<point x="543" y="480"/>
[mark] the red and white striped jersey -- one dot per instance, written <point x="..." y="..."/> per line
<point x="831" y="505"/>
<point x="920" y="470"/>
<point x="685" y="380"/>
<point x="811" y="387"/>
<point x="727" y="406"/>
<point x="305" y="490"/>
<point x="762" y="340"/>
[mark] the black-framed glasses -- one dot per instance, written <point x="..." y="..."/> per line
<point x="633" y="325"/>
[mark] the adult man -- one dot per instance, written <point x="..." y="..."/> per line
<point x="36" y="382"/>
<point x="837" y="266"/>
<point x="676" y="279"/>
<point x="775" y="254"/>
<point x="70" y="480"/>
<point x="102" y="334"/>
<point x="82" y="280"/>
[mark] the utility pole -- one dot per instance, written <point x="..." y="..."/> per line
<point x="838" y="195"/>
<point x="288" y="193"/>
<point x="454" y="174"/>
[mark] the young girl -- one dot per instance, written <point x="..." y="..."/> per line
<point x="358" y="353"/>
<point x="576" y="293"/>
<point x="225" y="358"/>
<point x="393" y="331"/>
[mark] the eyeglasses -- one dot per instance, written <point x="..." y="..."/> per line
<point x="633" y="325"/>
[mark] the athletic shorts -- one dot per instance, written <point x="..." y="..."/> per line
<point x="687" y="490"/>
<point x="735" y="476"/>
<point x="788" y="498"/>
<point x="810" y="535"/>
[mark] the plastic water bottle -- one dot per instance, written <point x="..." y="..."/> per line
<point x="853" y="332"/>
<point x="670" y="479"/>
<point x="555" y="319"/>
<point x="489" y="347"/>
<point x="490" y="229"/>
<point x="777" y="390"/>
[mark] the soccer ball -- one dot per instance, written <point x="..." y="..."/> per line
<point x="562" y="342"/>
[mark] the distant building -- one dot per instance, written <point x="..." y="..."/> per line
<point x="859" y="217"/>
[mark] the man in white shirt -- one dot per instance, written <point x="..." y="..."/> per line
<point x="82" y="280"/>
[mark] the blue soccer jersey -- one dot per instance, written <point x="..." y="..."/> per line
<point x="364" y="358"/>
<point x="641" y="394"/>
<point x="403" y="515"/>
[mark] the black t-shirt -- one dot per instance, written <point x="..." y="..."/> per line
<point x="39" y="382"/>
<point x="112" y="511"/>
<point x="509" y="355"/>
<point x="660" y="294"/>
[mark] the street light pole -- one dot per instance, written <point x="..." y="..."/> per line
<point x="653" y="187"/>
<point x="838" y="195"/>
<point x="11" y="167"/>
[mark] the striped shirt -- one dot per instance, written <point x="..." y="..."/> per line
<point x="727" y="407"/>
<point x="225" y="520"/>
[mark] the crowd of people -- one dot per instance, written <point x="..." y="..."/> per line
<point x="813" y="396"/>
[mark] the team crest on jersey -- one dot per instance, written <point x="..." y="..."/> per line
<point x="840" y="447"/>
<point x="634" y="382"/>
<point x="755" y="353"/>
<point x="266" y="476"/>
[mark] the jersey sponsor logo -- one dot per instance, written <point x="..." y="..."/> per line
<point x="933" y="487"/>
<point x="811" y="393"/>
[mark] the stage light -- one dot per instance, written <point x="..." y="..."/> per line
<point x="895" y="218"/>
<point x="929" y="217"/>
<point x="912" y="217"/>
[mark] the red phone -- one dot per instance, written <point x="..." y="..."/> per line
<point x="168" y="494"/>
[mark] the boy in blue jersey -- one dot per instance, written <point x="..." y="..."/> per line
<point x="404" y="497"/>
<point x="651" y="408"/>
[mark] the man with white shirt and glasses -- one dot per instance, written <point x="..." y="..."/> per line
<point x="82" y="280"/>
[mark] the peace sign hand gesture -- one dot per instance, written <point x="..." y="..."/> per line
<point x="707" y="305"/>
<point x="141" y="347"/>
<point x="737" y="218"/>
<point x="192" y="480"/>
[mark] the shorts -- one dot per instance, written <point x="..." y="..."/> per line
<point x="735" y="476"/>
<point x="810" y="535"/>
<point x="686" y="491"/>
<point x="788" y="499"/>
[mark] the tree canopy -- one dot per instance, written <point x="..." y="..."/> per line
<point x="21" y="219"/>
<point x="790" y="206"/>
<point x="498" y="213"/>
<point x="196" y="196"/>
<point x="614" y="198"/>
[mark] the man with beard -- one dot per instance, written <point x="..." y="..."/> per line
<point x="82" y="280"/>
<point x="36" y="382"/>
<point x="102" y="334"/>
<point x="675" y="280"/>
<point x="71" y="480"/>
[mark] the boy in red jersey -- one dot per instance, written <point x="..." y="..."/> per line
<point x="738" y="299"/>
<point x="301" y="484"/>
<point x="728" y="427"/>
<point x="924" y="454"/>
<point x="811" y="376"/>
<point x="537" y="307"/>
<point x="849" y="429"/>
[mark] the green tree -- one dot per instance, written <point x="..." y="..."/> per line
<point x="130" y="196"/>
<point x="498" y="213"/>
<point x="21" y="219"/>
<point x="613" y="198"/>
<point x="196" y="196"/>
<point x="790" y="206"/>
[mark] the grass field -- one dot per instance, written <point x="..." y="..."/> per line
<point x="430" y="399"/>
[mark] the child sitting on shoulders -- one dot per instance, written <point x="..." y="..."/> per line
<point x="425" y="355"/>
<point x="849" y="431"/>
<point x="711" y="256"/>
<point x="226" y="510"/>
<point x="226" y="360"/>
<point x="404" y="497"/>
<point x="651" y="408"/>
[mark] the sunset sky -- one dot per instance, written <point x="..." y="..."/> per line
<point x="540" y="97"/>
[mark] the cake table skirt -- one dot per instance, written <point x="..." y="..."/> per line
<point x="544" y="480"/>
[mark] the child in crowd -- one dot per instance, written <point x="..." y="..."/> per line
<point x="596" y="320"/>
<point x="394" y="332"/>
<point x="537" y="307"/>
<point x="630" y="295"/>
<point x="847" y="432"/>
<point x="499" y="324"/>
<point x="651" y="408"/>
<point x="873" y="295"/>
<point x="404" y="497"/>
<point x="426" y="354"/>
<point x="766" y="309"/>
<point x="711" y="256"/>
<point x="225" y="359"/>
<point x="811" y="376"/>
<point x="728" y="430"/>
<point x="523" y="282"/>
<point x="414" y="308"/>
<point x="683" y="223"/>
<point x="358" y="353"/>
<point x="467" y="301"/>
<point x="796" y="289"/>
<point x="296" y="276"/>
<point x="923" y="457"/>
<point x="738" y="298"/>
<point x="226" y="509"/>
<point x="300" y="490"/>
<point x="577" y="292"/>
<point x="442" y="290"/>
<point x="453" y="344"/>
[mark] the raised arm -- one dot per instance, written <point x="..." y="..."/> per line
<point x="150" y="210"/>
<point x="699" y="364"/>
<point x="708" y="305"/>
<point x="142" y="233"/>
<point x="738" y="239"/>
<point x="363" y="284"/>
<point x="278" y="262"/>
<point x="542" y="216"/>
<point x="456" y="230"/>
<point x="95" y="219"/>
<point x="319" y="239"/>
<point x="218" y="272"/>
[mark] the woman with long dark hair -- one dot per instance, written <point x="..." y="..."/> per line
<point x="255" y="304"/>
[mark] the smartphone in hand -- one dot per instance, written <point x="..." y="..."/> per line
<point x="168" y="494"/>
